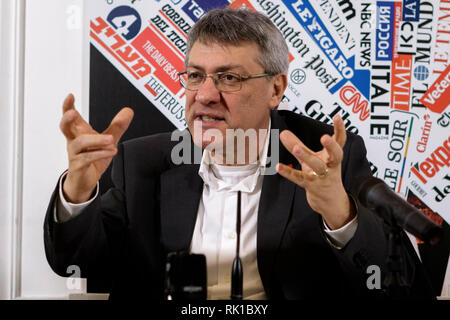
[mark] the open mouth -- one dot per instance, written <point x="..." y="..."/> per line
<point x="209" y="118"/>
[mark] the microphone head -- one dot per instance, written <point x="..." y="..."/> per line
<point x="186" y="276"/>
<point x="361" y="188"/>
<point x="375" y="194"/>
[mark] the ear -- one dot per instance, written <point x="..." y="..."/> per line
<point x="279" y="86"/>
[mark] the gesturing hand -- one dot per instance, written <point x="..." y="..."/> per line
<point x="321" y="174"/>
<point x="89" y="152"/>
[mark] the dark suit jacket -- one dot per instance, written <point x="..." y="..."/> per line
<point x="121" y="240"/>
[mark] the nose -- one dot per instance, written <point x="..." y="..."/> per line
<point x="208" y="93"/>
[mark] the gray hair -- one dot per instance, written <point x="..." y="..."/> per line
<point x="233" y="26"/>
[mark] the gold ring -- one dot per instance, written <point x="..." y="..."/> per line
<point x="323" y="175"/>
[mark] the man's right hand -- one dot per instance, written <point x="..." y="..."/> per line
<point x="90" y="152"/>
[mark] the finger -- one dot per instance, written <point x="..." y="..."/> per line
<point x="66" y="124"/>
<point x="301" y="152"/>
<point x="120" y="124"/>
<point x="73" y="125"/>
<point x="334" y="150"/>
<point x="305" y="156"/>
<point x="85" y="159"/>
<point x="89" y="142"/>
<point x="68" y="103"/>
<point x="291" y="141"/>
<point x="340" y="135"/>
<point x="298" y="177"/>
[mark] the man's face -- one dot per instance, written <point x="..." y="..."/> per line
<point x="247" y="108"/>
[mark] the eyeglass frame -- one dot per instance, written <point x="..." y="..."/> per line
<point x="213" y="76"/>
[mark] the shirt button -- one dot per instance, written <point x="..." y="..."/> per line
<point x="232" y="235"/>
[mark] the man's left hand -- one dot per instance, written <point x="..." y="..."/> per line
<point x="321" y="174"/>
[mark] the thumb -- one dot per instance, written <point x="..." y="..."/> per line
<point x="120" y="124"/>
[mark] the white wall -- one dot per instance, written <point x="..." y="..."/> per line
<point x="53" y="68"/>
<point x="33" y="152"/>
<point x="6" y="137"/>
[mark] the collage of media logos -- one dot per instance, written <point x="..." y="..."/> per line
<point x="383" y="66"/>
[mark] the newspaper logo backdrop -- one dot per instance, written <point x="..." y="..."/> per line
<point x="383" y="66"/>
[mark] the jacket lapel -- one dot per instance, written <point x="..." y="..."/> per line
<point x="275" y="205"/>
<point x="181" y="189"/>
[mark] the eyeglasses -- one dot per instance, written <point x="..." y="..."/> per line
<point x="223" y="81"/>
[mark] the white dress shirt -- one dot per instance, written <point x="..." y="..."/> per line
<point x="215" y="228"/>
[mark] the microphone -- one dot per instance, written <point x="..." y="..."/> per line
<point x="185" y="276"/>
<point x="237" y="270"/>
<point x="374" y="194"/>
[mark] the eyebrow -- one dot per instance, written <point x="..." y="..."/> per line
<point x="220" y="68"/>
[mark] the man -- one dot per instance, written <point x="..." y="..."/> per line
<point x="302" y="234"/>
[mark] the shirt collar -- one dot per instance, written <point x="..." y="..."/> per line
<point x="250" y="173"/>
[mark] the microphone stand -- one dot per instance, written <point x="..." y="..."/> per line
<point x="236" y="270"/>
<point x="395" y="284"/>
